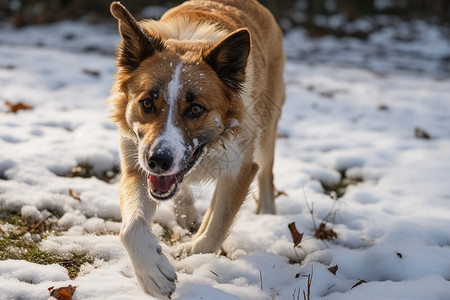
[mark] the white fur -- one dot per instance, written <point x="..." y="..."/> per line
<point x="153" y="271"/>
<point x="171" y="138"/>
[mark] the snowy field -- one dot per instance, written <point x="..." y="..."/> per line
<point x="367" y="149"/>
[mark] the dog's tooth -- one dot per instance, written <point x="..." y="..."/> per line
<point x="172" y="187"/>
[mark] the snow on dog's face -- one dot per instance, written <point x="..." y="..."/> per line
<point x="177" y="98"/>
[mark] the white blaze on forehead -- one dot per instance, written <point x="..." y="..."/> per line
<point x="171" y="138"/>
<point x="174" y="86"/>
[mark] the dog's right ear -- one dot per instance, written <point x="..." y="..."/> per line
<point x="137" y="44"/>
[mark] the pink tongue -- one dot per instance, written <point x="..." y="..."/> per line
<point x="161" y="183"/>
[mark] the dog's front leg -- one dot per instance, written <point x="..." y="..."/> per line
<point x="153" y="271"/>
<point x="228" y="197"/>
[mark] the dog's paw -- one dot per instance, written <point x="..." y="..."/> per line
<point x="200" y="245"/>
<point x="189" y="222"/>
<point x="156" y="276"/>
<point x="183" y="250"/>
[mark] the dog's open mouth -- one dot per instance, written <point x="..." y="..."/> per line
<point x="166" y="187"/>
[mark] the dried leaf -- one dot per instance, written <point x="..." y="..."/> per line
<point x="175" y="237"/>
<point x="62" y="293"/>
<point x="13" y="108"/>
<point x="297" y="275"/>
<point x="325" y="234"/>
<point x="74" y="172"/>
<point x="93" y="73"/>
<point x="383" y="107"/>
<point x="359" y="283"/>
<point x="279" y="193"/>
<point x="296" y="236"/>
<point x="74" y="195"/>
<point x="421" y="134"/>
<point x="333" y="269"/>
<point x="328" y="94"/>
<point x="7" y="67"/>
<point x="399" y="254"/>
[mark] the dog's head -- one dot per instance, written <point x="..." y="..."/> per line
<point x="176" y="98"/>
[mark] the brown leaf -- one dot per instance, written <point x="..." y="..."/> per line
<point x="333" y="269"/>
<point x="359" y="283"/>
<point x="296" y="236"/>
<point x="383" y="107"/>
<point x="279" y="193"/>
<point x="91" y="72"/>
<point x="7" y="67"/>
<point x="62" y="293"/>
<point x="74" y="172"/>
<point x="13" y="108"/>
<point x="399" y="254"/>
<point x="74" y="195"/>
<point x="421" y="134"/>
<point x="175" y="237"/>
<point x="325" y="234"/>
<point x="297" y="275"/>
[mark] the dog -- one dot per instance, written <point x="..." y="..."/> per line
<point x="197" y="97"/>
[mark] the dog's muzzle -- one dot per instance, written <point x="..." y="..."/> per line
<point x="163" y="187"/>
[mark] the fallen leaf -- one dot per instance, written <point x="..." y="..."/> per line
<point x="333" y="269"/>
<point x="297" y="275"/>
<point x="7" y="67"/>
<point x="325" y="234"/>
<point x="279" y="193"/>
<point x="399" y="254"/>
<point x="77" y="171"/>
<point x="359" y="283"/>
<point x="421" y="134"/>
<point x="93" y="73"/>
<point x="175" y="237"/>
<point x="74" y="195"/>
<point x="13" y="108"/>
<point x="383" y="107"/>
<point x="296" y="236"/>
<point x="62" y="293"/>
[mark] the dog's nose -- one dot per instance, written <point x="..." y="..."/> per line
<point x="160" y="163"/>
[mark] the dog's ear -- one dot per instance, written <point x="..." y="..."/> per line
<point x="137" y="44"/>
<point x="229" y="58"/>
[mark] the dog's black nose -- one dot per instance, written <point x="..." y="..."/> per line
<point x="160" y="163"/>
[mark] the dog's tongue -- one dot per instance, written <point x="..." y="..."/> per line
<point x="162" y="183"/>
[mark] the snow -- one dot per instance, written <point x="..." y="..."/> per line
<point x="343" y="119"/>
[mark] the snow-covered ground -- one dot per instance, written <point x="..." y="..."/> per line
<point x="392" y="225"/>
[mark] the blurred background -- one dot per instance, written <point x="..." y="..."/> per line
<point x="320" y="17"/>
<point x="380" y="35"/>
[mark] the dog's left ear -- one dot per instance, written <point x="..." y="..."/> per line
<point x="229" y="58"/>
<point x="137" y="44"/>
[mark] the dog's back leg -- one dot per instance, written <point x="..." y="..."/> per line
<point x="273" y="99"/>
<point x="265" y="158"/>
<point x="229" y="195"/>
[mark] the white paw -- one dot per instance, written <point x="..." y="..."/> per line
<point x="153" y="271"/>
<point x="155" y="275"/>
<point x="183" y="250"/>
<point x="200" y="245"/>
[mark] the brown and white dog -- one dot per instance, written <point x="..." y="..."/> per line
<point x="197" y="97"/>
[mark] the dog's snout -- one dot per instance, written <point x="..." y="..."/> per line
<point x="160" y="162"/>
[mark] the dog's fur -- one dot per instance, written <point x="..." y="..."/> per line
<point x="197" y="97"/>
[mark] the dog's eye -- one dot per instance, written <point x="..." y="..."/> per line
<point x="195" y="111"/>
<point x="147" y="105"/>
